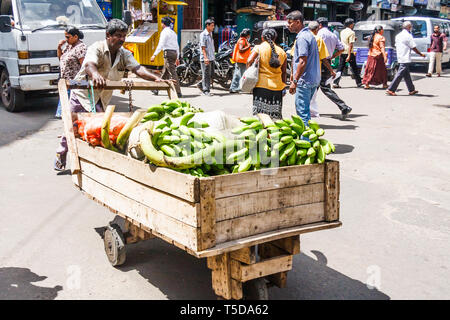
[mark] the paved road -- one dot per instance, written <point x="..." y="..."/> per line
<point x="395" y="209"/>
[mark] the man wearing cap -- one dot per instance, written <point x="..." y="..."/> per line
<point x="348" y="38"/>
<point x="168" y="43"/>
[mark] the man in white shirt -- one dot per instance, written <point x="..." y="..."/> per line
<point x="404" y="43"/>
<point x="168" y="43"/>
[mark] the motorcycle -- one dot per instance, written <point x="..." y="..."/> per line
<point x="223" y="68"/>
<point x="189" y="71"/>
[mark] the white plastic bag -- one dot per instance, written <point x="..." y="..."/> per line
<point x="250" y="77"/>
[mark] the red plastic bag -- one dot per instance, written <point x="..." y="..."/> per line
<point x="90" y="129"/>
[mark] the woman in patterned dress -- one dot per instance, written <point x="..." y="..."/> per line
<point x="71" y="57"/>
<point x="268" y="92"/>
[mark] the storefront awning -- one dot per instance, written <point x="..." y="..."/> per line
<point x="175" y="3"/>
<point x="143" y="33"/>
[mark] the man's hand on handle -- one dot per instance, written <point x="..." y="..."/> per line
<point x="98" y="81"/>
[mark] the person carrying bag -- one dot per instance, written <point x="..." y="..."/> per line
<point x="250" y="77"/>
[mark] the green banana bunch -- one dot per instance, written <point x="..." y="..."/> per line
<point x="169" y="108"/>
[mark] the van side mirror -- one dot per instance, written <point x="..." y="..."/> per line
<point x="5" y="24"/>
<point x="127" y="17"/>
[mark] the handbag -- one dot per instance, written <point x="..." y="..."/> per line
<point x="250" y="77"/>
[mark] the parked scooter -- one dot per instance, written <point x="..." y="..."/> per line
<point x="189" y="71"/>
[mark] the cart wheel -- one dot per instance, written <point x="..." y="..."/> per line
<point x="256" y="290"/>
<point x="114" y="245"/>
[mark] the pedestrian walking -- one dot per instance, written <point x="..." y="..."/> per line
<point x="437" y="47"/>
<point x="335" y="49"/>
<point x="240" y="56"/>
<point x="348" y="38"/>
<point x="404" y="43"/>
<point x="168" y="43"/>
<point x="305" y="77"/>
<point x="105" y="60"/>
<point x="207" y="57"/>
<point x="268" y="91"/>
<point x="323" y="54"/>
<point x="376" y="71"/>
<point x="71" y="57"/>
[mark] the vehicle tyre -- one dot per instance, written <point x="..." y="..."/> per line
<point x="6" y="7"/>
<point x="255" y="290"/>
<point x="226" y="83"/>
<point x="114" y="245"/>
<point x="12" y="99"/>
<point x="185" y="77"/>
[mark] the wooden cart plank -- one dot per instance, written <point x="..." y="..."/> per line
<point x="271" y="220"/>
<point x="69" y="133"/>
<point x="265" y="237"/>
<point x="264" y="268"/>
<point x="236" y="290"/>
<point x="291" y="244"/>
<point x="206" y="214"/>
<point x="268" y="250"/>
<point x="245" y="255"/>
<point x="170" y="181"/>
<point x="171" y="206"/>
<point x="332" y="190"/>
<point x="221" y="275"/>
<point x="278" y="279"/>
<point x="174" y="229"/>
<point x="251" y="203"/>
<point x="267" y="179"/>
<point x="121" y="85"/>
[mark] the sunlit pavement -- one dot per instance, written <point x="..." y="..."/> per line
<point x="394" y="195"/>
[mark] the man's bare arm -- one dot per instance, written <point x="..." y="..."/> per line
<point x="147" y="75"/>
<point x="92" y="72"/>
<point x="337" y="54"/>
<point x="327" y="65"/>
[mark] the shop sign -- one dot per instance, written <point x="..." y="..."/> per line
<point x="421" y="2"/>
<point x="408" y="3"/>
<point x="434" y="5"/>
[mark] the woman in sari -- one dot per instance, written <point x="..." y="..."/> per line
<point x="376" y="72"/>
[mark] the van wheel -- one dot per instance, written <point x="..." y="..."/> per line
<point x="6" y="8"/>
<point x="13" y="99"/>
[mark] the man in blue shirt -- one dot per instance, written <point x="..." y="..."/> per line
<point x="305" y="77"/>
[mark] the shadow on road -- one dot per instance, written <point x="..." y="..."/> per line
<point x="312" y="279"/>
<point x="16" y="284"/>
<point x="40" y="109"/>
<point x="338" y="116"/>
<point x="442" y="105"/>
<point x="333" y="127"/>
<point x="343" y="148"/>
<point x="181" y="276"/>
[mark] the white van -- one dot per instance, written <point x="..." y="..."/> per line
<point x="28" y="55"/>
<point x="422" y="30"/>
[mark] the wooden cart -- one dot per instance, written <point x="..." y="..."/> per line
<point x="247" y="225"/>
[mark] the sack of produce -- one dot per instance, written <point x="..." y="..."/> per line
<point x="89" y="129"/>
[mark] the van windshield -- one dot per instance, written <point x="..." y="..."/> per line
<point x="419" y="29"/>
<point x="36" y="14"/>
